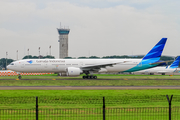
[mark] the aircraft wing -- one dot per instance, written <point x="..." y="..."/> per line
<point x="100" y="65"/>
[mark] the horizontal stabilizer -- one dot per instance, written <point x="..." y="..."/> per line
<point x="160" y="62"/>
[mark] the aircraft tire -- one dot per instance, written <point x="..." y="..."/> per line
<point x="163" y="73"/>
<point x="89" y="77"/>
<point x="84" y="77"/>
<point x="19" y="77"/>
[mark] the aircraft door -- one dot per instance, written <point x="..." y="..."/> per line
<point x="22" y="66"/>
<point x="45" y="67"/>
<point x="81" y="63"/>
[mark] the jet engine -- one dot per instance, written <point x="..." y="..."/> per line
<point x="72" y="71"/>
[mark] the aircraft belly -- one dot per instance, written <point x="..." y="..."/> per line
<point x="31" y="69"/>
<point x="43" y="68"/>
<point x="120" y="67"/>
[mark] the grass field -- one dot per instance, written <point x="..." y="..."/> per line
<point x="87" y="104"/>
<point x="103" y="80"/>
<point x="86" y="98"/>
<point x="117" y="80"/>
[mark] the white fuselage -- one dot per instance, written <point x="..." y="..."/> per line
<point x="159" y="70"/>
<point x="60" y="65"/>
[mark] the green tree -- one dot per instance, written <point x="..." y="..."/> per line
<point x="82" y="57"/>
<point x="3" y="62"/>
<point x="49" y="57"/>
<point x="27" y="57"/>
<point x="68" y="58"/>
<point x="94" y="57"/>
<point x="37" y="57"/>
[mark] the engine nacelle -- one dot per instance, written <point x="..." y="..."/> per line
<point x="72" y="71"/>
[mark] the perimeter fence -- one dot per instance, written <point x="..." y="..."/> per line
<point x="96" y="108"/>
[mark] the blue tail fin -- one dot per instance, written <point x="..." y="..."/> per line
<point x="155" y="53"/>
<point x="153" y="56"/>
<point x="175" y="64"/>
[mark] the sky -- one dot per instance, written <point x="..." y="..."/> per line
<point x="97" y="27"/>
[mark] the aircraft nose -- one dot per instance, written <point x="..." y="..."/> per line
<point x="8" y="67"/>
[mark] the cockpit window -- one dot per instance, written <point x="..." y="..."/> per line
<point x="12" y="64"/>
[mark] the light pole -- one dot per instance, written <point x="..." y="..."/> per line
<point x="6" y="59"/>
<point x="39" y="52"/>
<point x="17" y="54"/>
<point x="28" y="53"/>
<point x="50" y="50"/>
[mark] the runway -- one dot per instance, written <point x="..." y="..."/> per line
<point x="86" y="87"/>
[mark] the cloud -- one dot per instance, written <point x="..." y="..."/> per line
<point x="114" y="30"/>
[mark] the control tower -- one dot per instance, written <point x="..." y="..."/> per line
<point x="63" y="42"/>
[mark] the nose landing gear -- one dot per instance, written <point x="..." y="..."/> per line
<point x="19" y="76"/>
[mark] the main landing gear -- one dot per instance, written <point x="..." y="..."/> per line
<point x="89" y="77"/>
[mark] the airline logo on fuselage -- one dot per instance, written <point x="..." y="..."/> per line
<point x="30" y="61"/>
<point x="50" y="61"/>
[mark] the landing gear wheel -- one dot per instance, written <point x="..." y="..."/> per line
<point x="89" y="77"/>
<point x="19" y="77"/>
<point x="94" y="77"/>
<point x="163" y="73"/>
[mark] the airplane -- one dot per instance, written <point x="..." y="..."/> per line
<point x="163" y="69"/>
<point x="75" y="67"/>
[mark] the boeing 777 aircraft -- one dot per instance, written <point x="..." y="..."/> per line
<point x="75" y="67"/>
<point x="163" y="70"/>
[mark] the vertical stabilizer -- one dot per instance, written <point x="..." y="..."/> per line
<point x="175" y="64"/>
<point x="155" y="53"/>
<point x="152" y="56"/>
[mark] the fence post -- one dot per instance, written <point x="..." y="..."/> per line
<point x="36" y="108"/>
<point x="169" y="101"/>
<point x="103" y="108"/>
